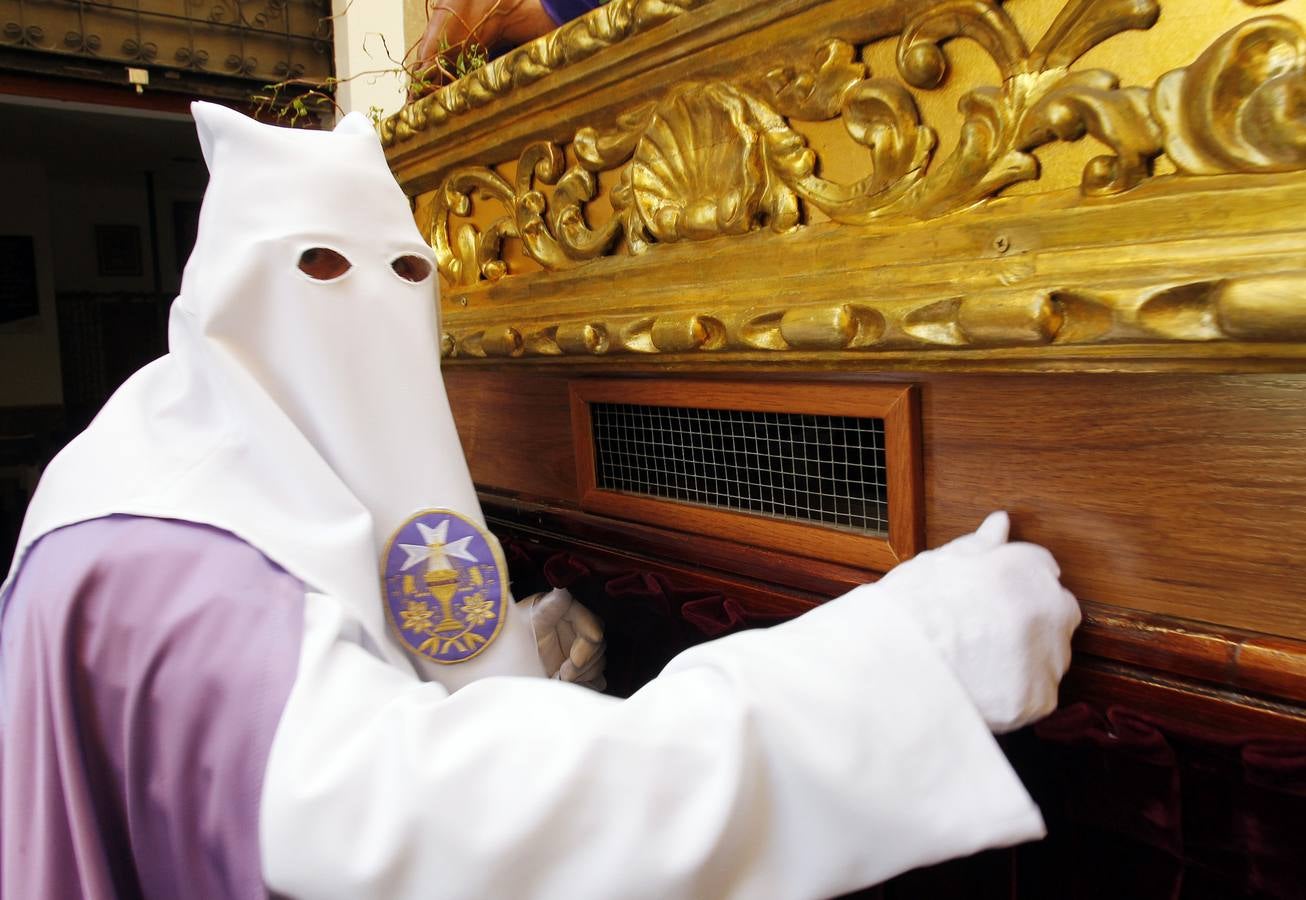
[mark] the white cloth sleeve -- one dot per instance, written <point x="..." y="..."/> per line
<point x="805" y="760"/>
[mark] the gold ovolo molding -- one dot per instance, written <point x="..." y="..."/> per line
<point x="716" y="158"/>
<point x="1238" y="309"/>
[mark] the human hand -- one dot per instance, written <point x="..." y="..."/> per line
<point x="997" y="614"/>
<point x="570" y="639"/>
<point x="455" y="25"/>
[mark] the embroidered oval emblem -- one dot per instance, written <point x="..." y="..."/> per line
<point x="445" y="586"/>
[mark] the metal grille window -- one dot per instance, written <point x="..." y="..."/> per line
<point x="823" y="469"/>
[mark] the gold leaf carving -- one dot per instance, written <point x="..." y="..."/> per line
<point x="1084" y="318"/>
<point x="1184" y="312"/>
<point x="920" y="55"/>
<point x="469" y="345"/>
<point x="1241" y="107"/>
<point x="1081" y="26"/>
<point x="935" y="323"/>
<point x="1092" y="102"/>
<point x="814" y="95"/>
<point x="502" y="341"/>
<point x="636" y="335"/>
<point x="1037" y="102"/>
<point x="582" y="338"/>
<point x="822" y="328"/>
<point x="1009" y="321"/>
<point x="881" y="116"/>
<point x="751" y="329"/>
<point x="542" y="342"/>
<point x="465" y="256"/>
<point x="679" y="333"/>
<point x="1265" y="308"/>
<point x="696" y="172"/>
<point x="717" y="158"/>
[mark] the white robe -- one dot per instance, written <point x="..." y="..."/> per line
<point x="309" y="420"/>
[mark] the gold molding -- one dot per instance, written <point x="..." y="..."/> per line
<point x="837" y="184"/>
<point x="580" y="39"/>
<point x="1207" y="272"/>
<point x="1244" y="309"/>
<point x="714" y="158"/>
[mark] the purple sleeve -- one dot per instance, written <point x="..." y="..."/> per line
<point x="144" y="665"/>
<point x="562" y="11"/>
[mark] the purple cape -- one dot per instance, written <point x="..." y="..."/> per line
<point x="145" y="664"/>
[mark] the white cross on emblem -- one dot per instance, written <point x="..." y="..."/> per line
<point x="435" y="551"/>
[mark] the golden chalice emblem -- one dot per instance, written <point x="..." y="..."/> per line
<point x="443" y="584"/>
<point x="451" y="628"/>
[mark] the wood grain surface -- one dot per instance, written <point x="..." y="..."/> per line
<point x="1181" y="703"/>
<point x="1175" y="669"/>
<point x="1172" y="495"/>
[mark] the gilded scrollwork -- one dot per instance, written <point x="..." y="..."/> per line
<point x="1244" y="308"/>
<point x="713" y="158"/>
<point x="1241" y="107"/>
<point x="716" y="158"/>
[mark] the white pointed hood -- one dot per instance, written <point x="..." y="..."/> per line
<point x="306" y="416"/>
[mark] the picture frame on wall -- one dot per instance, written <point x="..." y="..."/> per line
<point x="118" y="250"/>
<point x="19" y="294"/>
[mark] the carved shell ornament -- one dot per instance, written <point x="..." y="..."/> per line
<point x="696" y="170"/>
<point x="716" y="158"/>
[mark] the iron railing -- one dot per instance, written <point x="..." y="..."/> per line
<point x="235" y="42"/>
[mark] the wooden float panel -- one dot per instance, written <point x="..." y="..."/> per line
<point x="1169" y="494"/>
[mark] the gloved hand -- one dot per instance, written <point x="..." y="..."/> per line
<point x="998" y="616"/>
<point x="570" y="638"/>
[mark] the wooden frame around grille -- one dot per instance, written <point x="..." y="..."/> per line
<point x="895" y="404"/>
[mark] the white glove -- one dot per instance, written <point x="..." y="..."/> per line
<point x="570" y="638"/>
<point x="998" y="616"/>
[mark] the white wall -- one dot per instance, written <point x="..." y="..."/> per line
<point x="29" y="349"/>
<point x="364" y="31"/>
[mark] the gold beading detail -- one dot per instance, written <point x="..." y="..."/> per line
<point x="1252" y="308"/>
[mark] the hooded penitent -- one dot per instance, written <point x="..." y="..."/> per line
<point x="222" y="586"/>
<point x="300" y="406"/>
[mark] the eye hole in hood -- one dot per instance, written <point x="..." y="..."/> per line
<point x="411" y="268"/>
<point x="323" y="264"/>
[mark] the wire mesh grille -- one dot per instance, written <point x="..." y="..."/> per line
<point x="823" y="469"/>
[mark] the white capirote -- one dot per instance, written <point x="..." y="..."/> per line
<point x="307" y="417"/>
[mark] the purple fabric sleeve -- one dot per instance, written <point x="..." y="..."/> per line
<point x="562" y="11"/>
<point x="145" y="665"/>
